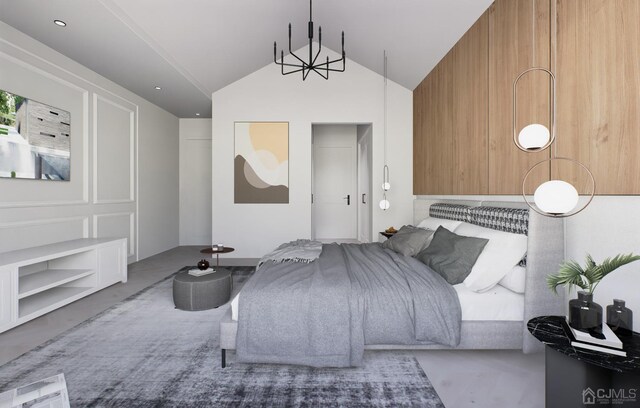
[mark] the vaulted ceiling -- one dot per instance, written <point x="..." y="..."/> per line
<point x="192" y="48"/>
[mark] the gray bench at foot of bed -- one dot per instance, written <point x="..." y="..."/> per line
<point x="474" y="335"/>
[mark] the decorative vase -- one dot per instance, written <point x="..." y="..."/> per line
<point x="585" y="314"/>
<point x="620" y="318"/>
<point x="203" y="265"/>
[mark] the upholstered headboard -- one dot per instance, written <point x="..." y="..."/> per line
<point x="545" y="247"/>
<point x="514" y="220"/>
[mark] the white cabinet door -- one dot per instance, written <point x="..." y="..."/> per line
<point x="7" y="298"/>
<point x="112" y="263"/>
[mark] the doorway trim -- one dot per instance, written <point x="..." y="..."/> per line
<point x="364" y="185"/>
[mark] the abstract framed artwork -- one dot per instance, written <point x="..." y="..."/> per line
<point x="35" y="139"/>
<point x="261" y="163"/>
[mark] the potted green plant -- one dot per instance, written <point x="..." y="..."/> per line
<point x="584" y="313"/>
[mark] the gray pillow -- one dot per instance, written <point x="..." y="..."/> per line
<point x="452" y="255"/>
<point x="409" y="240"/>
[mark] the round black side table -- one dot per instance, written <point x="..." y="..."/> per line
<point x="224" y="250"/>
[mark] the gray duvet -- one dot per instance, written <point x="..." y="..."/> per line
<point x="323" y="313"/>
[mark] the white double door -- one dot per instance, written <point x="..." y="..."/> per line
<point x="335" y="187"/>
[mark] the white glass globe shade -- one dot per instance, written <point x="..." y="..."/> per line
<point x="556" y="197"/>
<point x="386" y="186"/>
<point x="384" y="204"/>
<point x="534" y="136"/>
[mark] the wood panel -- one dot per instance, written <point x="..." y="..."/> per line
<point x="519" y="38"/>
<point x="419" y="143"/>
<point x="598" y="71"/>
<point x="470" y="119"/>
<point x="433" y="148"/>
<point x="450" y="128"/>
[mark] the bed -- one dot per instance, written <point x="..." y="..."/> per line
<point x="495" y="319"/>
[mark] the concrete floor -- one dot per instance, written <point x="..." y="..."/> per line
<point x="462" y="378"/>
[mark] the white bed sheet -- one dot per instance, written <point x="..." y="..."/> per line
<point x="234" y="307"/>
<point x="498" y="303"/>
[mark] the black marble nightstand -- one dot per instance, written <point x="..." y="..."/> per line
<point x="577" y="377"/>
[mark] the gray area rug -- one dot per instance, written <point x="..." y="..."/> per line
<point x="143" y="352"/>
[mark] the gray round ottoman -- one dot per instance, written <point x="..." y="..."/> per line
<point x="201" y="292"/>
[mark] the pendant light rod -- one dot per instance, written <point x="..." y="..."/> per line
<point x="306" y="67"/>
<point x="385" y="108"/>
<point x="385" y="170"/>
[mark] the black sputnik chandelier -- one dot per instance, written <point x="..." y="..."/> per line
<point x="320" y="68"/>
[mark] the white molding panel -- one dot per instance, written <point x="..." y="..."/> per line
<point x="25" y="234"/>
<point x="131" y="112"/>
<point x="105" y="166"/>
<point x="130" y="235"/>
<point x="84" y="137"/>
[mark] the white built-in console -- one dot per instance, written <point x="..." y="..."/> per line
<point x="35" y="281"/>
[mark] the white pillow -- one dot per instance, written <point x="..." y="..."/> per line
<point x="503" y="251"/>
<point x="433" y="224"/>
<point x="514" y="279"/>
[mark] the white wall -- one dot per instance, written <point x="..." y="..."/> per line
<point x="124" y="163"/>
<point x="356" y="97"/>
<point x="158" y="187"/>
<point x="610" y="225"/>
<point x="195" y="182"/>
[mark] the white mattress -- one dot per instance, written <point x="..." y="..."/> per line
<point x="498" y="303"/>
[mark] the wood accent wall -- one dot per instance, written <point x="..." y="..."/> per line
<point x="598" y="71"/>
<point x="519" y="38"/>
<point x="463" y="141"/>
<point x="450" y="122"/>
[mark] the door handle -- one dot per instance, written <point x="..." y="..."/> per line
<point x="348" y="198"/>
<point x="363" y="198"/>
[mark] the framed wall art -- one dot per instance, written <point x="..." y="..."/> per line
<point x="35" y="139"/>
<point x="261" y="163"/>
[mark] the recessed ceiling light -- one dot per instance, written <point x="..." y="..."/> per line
<point x="60" y="23"/>
<point x="158" y="88"/>
<point x="197" y="114"/>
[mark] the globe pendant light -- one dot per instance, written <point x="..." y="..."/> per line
<point x="553" y="198"/>
<point x="558" y="198"/>
<point x="386" y="185"/>
<point x="535" y="137"/>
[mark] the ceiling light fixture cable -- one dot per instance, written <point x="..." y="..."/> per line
<point x="320" y="68"/>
